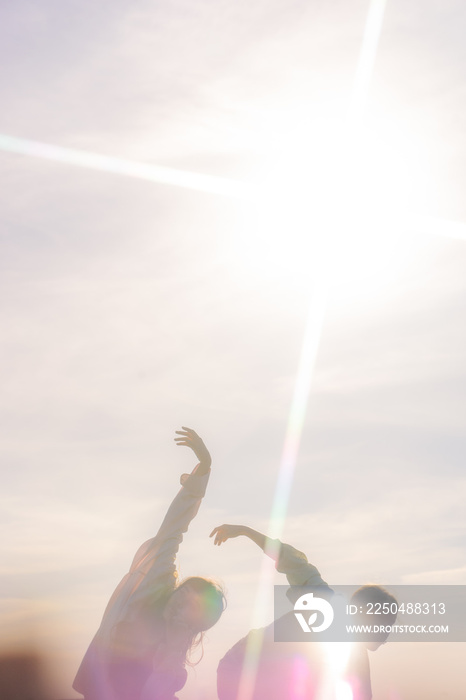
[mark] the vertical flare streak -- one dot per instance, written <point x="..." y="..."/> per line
<point x="313" y="331"/>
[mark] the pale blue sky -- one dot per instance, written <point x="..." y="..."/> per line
<point x="130" y="308"/>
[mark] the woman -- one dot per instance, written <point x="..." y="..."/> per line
<point x="151" y="622"/>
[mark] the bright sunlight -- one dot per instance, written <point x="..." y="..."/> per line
<point x="332" y="200"/>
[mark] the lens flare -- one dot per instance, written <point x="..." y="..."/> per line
<point x="119" y="166"/>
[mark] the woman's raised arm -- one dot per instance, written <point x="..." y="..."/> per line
<point x="189" y="438"/>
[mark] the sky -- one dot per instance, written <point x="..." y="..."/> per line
<point x="131" y="306"/>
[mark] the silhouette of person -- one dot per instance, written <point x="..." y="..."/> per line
<point x="286" y="670"/>
<point x="151" y="622"/>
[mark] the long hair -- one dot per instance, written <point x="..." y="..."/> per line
<point x="213" y="604"/>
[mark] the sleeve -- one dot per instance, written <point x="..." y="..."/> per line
<point x="295" y="566"/>
<point x="154" y="561"/>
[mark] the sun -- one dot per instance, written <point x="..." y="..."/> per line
<point x="331" y="201"/>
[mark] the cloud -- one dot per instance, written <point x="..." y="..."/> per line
<point x="446" y="576"/>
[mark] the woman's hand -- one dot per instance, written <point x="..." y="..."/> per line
<point x="226" y="532"/>
<point x="189" y="438"/>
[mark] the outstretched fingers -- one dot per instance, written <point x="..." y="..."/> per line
<point x="217" y="531"/>
<point x="223" y="533"/>
<point x="188" y="436"/>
